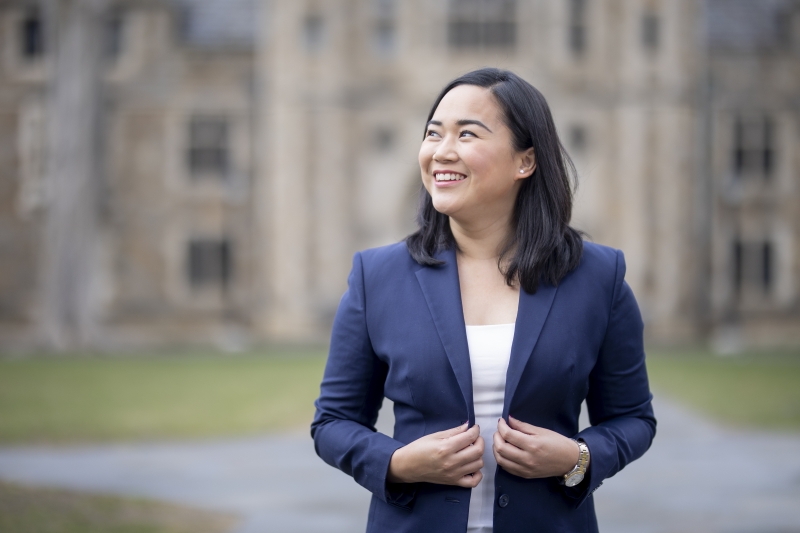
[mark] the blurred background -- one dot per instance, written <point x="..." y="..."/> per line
<point x="187" y="171"/>
<point x="181" y="179"/>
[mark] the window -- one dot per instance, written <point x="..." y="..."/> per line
<point x="31" y="35"/>
<point x="738" y="265"/>
<point x="577" y="27"/>
<point x="767" y="154"/>
<point x="766" y="266"/>
<point x="115" y="27"/>
<point x="384" y="139"/>
<point x="753" y="266"/>
<point x="384" y="37"/>
<point x="480" y="24"/>
<point x="208" y="146"/>
<point x="209" y="262"/>
<point x="313" y="32"/>
<point x="787" y="25"/>
<point x="384" y="32"/>
<point x="578" y="140"/>
<point x="753" y="151"/>
<point x="650" y="31"/>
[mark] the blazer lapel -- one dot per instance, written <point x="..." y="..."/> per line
<point x="531" y="315"/>
<point x="442" y="292"/>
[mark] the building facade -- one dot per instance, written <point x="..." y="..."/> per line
<point x="169" y="260"/>
<point x="665" y="107"/>
<point x="752" y="105"/>
<point x="246" y="149"/>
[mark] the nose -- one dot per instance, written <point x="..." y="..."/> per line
<point x="445" y="151"/>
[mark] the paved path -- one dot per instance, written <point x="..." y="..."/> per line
<point x="696" y="478"/>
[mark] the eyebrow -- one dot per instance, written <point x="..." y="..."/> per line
<point x="463" y="122"/>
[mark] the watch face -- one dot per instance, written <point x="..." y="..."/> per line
<point x="574" y="480"/>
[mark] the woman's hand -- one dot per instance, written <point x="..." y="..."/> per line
<point x="450" y="457"/>
<point x="532" y="452"/>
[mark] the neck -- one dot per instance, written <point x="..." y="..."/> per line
<point x="482" y="240"/>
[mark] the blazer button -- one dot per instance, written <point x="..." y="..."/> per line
<point x="503" y="500"/>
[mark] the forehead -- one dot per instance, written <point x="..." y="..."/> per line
<point x="468" y="102"/>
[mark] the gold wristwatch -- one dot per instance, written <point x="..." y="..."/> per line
<point x="575" y="476"/>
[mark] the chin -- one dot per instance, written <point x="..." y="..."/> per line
<point x="445" y="208"/>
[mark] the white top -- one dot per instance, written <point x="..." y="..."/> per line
<point x="489" y="353"/>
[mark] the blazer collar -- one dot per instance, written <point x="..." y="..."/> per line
<point x="531" y="315"/>
<point x="440" y="285"/>
<point x="442" y="292"/>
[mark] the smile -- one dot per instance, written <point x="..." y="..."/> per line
<point x="448" y="176"/>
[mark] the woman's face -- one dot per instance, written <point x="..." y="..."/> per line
<point x="468" y="162"/>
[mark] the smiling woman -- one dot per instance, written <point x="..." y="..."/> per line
<point x="504" y="135"/>
<point x="468" y="166"/>
<point x="487" y="328"/>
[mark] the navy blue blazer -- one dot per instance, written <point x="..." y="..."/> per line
<point x="399" y="333"/>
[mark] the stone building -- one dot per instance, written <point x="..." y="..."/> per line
<point x="171" y="253"/>
<point x="752" y="115"/>
<point x="247" y="149"/>
<point x="667" y="107"/>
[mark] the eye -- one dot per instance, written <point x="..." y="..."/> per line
<point x="431" y="133"/>
<point x="467" y="133"/>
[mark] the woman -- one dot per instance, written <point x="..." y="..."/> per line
<point x="487" y="328"/>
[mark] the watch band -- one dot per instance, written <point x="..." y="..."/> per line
<point x="576" y="475"/>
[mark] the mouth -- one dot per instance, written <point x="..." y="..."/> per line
<point x="448" y="176"/>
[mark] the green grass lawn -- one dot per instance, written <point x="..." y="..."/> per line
<point x="95" y="399"/>
<point x="35" y="510"/>
<point x="756" y="390"/>
<point x="79" y="399"/>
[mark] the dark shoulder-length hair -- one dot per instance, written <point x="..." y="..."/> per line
<point x="542" y="247"/>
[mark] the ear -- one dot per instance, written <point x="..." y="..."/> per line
<point x="526" y="164"/>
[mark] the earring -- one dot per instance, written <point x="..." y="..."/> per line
<point x="521" y="171"/>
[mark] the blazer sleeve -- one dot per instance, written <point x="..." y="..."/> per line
<point x="350" y="397"/>
<point x="619" y="398"/>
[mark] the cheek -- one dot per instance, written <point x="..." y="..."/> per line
<point x="424" y="162"/>
<point x="494" y="164"/>
<point x="425" y="157"/>
<point x="483" y="163"/>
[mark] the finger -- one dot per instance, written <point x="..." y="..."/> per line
<point x="452" y="432"/>
<point x="503" y="428"/>
<point x="505" y="431"/>
<point x="468" y="454"/>
<point x="524" y="427"/>
<point x="512" y="436"/>
<point x="509" y="466"/>
<point x="511" y="453"/>
<point x="480" y="444"/>
<point x="462" y="440"/>
<point x="502" y="452"/>
<point x="470" y="468"/>
<point x="502" y="461"/>
<point x="475" y="430"/>
<point x="470" y="481"/>
<point x="513" y="460"/>
<point x="497" y="439"/>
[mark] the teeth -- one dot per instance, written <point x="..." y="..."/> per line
<point x="446" y="176"/>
